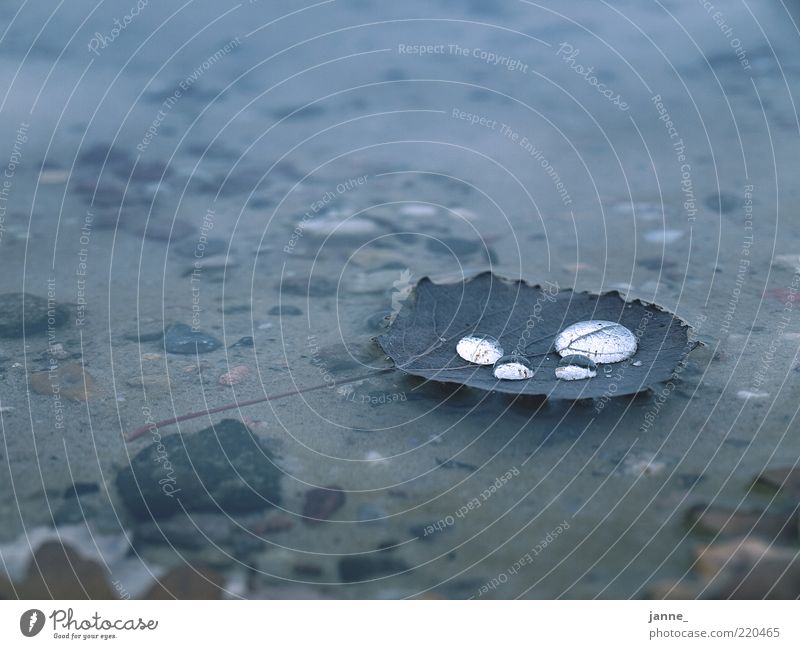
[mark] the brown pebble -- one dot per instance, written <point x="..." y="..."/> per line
<point x="749" y="569"/>
<point x="275" y="524"/>
<point x="718" y="520"/>
<point x="307" y="570"/>
<point x="71" y="381"/>
<point x="786" y="479"/>
<point x="187" y="582"/>
<point x="159" y="381"/>
<point x="235" y="375"/>
<point x="321" y="503"/>
<point x="56" y="571"/>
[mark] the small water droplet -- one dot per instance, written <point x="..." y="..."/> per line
<point x="513" y="368"/>
<point x="602" y="341"/>
<point x="576" y="367"/>
<point x="480" y="349"/>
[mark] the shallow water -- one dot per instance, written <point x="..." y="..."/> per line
<point x="288" y="174"/>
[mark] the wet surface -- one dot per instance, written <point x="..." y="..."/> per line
<point x="215" y="204"/>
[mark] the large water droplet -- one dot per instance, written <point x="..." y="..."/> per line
<point x="601" y="340"/>
<point x="576" y="367"/>
<point x="480" y="349"/>
<point x="513" y="368"/>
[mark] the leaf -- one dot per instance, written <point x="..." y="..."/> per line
<point x="422" y="339"/>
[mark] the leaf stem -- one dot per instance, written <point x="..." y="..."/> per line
<point x="135" y="434"/>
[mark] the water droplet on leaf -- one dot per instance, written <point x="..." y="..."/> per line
<point x="602" y="341"/>
<point x="576" y="367"/>
<point x="480" y="349"/>
<point x="513" y="368"/>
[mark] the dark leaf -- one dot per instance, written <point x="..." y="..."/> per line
<point x="422" y="338"/>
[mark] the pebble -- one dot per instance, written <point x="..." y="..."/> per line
<point x="222" y="468"/>
<point x="418" y="210"/>
<point x="158" y="381"/>
<point x="375" y="457"/>
<point x="31" y="317"/>
<point x="54" y="177"/>
<point x="644" y="465"/>
<point x="321" y="503"/>
<point x="663" y="236"/>
<point x="235" y="375"/>
<point x="71" y="381"/>
<point x="362" y="568"/>
<point x="145" y="334"/>
<point x="275" y="524"/>
<point x="58" y="351"/>
<point x="723" y="202"/>
<point x="213" y="265"/>
<point x="783" y="295"/>
<point x="182" y="339"/>
<point x="103" y="153"/>
<point x="244" y="341"/>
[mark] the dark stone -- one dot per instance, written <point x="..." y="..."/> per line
<point x="148" y="335"/>
<point x="244" y="341"/>
<point x="286" y="309"/>
<point x="723" y="202"/>
<point x="144" y="172"/>
<point x="233" y="309"/>
<point x="81" y="489"/>
<point x="307" y="570"/>
<point x="455" y="464"/>
<point x="100" y="154"/>
<point x="321" y="503"/>
<point x="365" y="567"/>
<point x="223" y="469"/>
<point x="182" y="339"/>
<point x="30" y="318"/>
